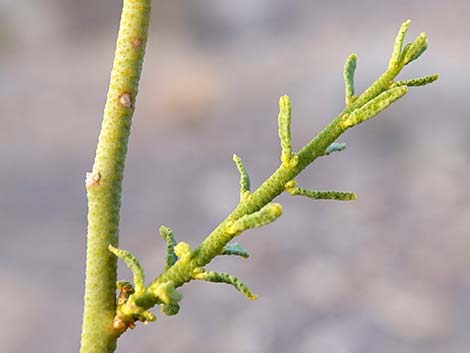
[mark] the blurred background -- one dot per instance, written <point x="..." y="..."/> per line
<point x="386" y="273"/>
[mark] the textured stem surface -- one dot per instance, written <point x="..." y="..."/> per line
<point x="213" y="245"/>
<point x="104" y="183"/>
<point x="255" y="208"/>
<point x="377" y="97"/>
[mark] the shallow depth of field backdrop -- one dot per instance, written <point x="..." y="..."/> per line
<point x="386" y="273"/>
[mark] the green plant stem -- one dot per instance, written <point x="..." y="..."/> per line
<point x="213" y="245"/>
<point x="183" y="270"/>
<point x="104" y="183"/>
<point x="255" y="208"/>
<point x="104" y="321"/>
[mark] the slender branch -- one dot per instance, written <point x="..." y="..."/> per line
<point x="104" y="183"/>
<point x="235" y="249"/>
<point x="422" y="81"/>
<point x="255" y="209"/>
<point x="134" y="266"/>
<point x="398" y="45"/>
<point x="284" y="120"/>
<point x="348" y="74"/>
<point x="244" y="178"/>
<point x="212" y="276"/>
<point x="167" y="235"/>
<point x="291" y="188"/>
<point x="335" y="147"/>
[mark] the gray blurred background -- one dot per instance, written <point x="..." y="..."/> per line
<point x="387" y="273"/>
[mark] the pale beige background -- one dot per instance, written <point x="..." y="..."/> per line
<point x="387" y="273"/>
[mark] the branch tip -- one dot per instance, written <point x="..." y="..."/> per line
<point x="212" y="276"/>
<point x="244" y="178"/>
<point x="421" y="81"/>
<point x="235" y="249"/>
<point x="415" y="49"/>
<point x="348" y="74"/>
<point x="284" y="120"/>
<point x="335" y="147"/>
<point x="182" y="249"/>
<point x="265" y="215"/>
<point x="398" y="44"/>
<point x="167" y="235"/>
<point x="133" y="264"/>
<point x="320" y="194"/>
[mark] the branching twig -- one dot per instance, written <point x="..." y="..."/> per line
<point x="255" y="208"/>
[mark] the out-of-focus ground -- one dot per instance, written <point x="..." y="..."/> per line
<point x="387" y="273"/>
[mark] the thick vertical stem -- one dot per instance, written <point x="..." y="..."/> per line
<point x="104" y="183"/>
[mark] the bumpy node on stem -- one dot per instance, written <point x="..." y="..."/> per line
<point x="167" y="235"/>
<point x="348" y="73"/>
<point x="288" y="159"/>
<point x="291" y="188"/>
<point x="125" y="290"/>
<point x="374" y="107"/>
<point x="125" y="100"/>
<point x="92" y="179"/>
<point x="334" y="147"/>
<point x="134" y="310"/>
<point x="266" y="215"/>
<point x="235" y="249"/>
<point x="167" y="293"/>
<point x="244" y="178"/>
<point x="182" y="249"/>
<point x="133" y="264"/>
<point x="226" y="278"/>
